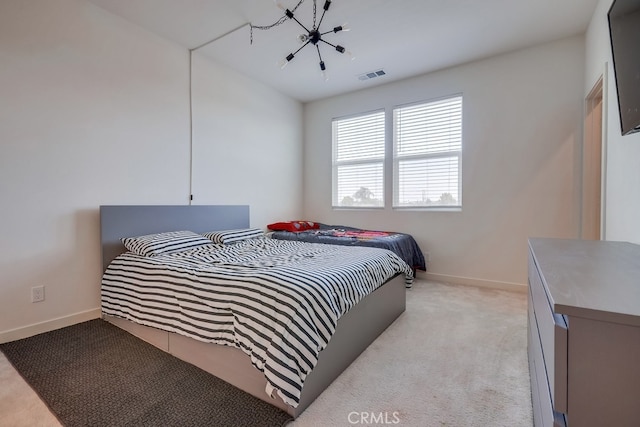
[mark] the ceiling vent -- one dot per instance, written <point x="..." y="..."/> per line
<point x="371" y="75"/>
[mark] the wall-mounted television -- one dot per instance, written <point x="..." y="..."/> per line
<point x="624" y="29"/>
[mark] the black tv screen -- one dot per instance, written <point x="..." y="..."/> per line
<point x="624" y="29"/>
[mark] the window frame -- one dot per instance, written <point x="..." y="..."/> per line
<point x="396" y="159"/>
<point x="335" y="163"/>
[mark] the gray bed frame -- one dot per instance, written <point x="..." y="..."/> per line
<point x="355" y="331"/>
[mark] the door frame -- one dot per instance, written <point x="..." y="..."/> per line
<point x="594" y="161"/>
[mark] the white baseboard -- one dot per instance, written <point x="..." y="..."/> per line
<point x="469" y="281"/>
<point x="49" y="325"/>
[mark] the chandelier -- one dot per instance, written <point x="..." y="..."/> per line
<point x="311" y="36"/>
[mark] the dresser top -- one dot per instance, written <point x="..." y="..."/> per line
<point x="592" y="279"/>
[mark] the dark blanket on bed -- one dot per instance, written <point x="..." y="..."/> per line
<point x="404" y="245"/>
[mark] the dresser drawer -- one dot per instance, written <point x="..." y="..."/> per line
<point x="552" y="330"/>
<point x="536" y="372"/>
<point x="543" y="411"/>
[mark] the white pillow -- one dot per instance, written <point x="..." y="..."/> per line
<point x="164" y="243"/>
<point x="231" y="236"/>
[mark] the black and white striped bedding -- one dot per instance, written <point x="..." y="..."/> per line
<point x="278" y="301"/>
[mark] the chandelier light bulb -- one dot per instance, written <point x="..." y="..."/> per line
<point x="323" y="71"/>
<point x="283" y="63"/>
<point x="279" y="4"/>
<point x="302" y="38"/>
<point x="343" y="27"/>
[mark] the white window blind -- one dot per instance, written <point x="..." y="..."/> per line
<point x="427" y="151"/>
<point x="358" y="161"/>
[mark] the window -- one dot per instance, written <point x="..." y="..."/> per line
<point x="358" y="161"/>
<point x="427" y="148"/>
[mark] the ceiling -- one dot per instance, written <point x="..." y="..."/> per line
<point x="403" y="37"/>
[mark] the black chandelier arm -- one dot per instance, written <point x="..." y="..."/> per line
<point x="335" y="30"/>
<point x="319" y="56"/>
<point x="327" y="3"/>
<point x="336" y="47"/>
<point x="326" y="42"/>
<point x="290" y="15"/>
<point x="300" y="48"/>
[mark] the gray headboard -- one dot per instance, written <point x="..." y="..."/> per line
<point x="117" y="222"/>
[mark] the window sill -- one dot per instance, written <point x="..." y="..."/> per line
<point x="358" y="208"/>
<point x="429" y="209"/>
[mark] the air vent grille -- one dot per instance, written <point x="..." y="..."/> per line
<point x="371" y="75"/>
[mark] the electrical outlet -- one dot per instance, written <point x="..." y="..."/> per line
<point x="37" y="294"/>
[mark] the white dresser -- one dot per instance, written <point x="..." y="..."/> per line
<point x="584" y="333"/>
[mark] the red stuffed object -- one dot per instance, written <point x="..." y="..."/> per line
<point x="293" y="226"/>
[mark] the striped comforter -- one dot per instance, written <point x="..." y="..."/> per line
<point x="277" y="301"/>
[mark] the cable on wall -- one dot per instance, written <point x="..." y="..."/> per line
<point x="190" y="127"/>
<point x="191" y="103"/>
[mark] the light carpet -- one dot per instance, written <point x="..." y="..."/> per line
<point x="456" y="357"/>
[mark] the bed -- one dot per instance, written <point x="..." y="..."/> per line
<point x="354" y="331"/>
<point x="404" y="245"/>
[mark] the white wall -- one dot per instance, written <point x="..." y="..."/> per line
<point x="247" y="144"/>
<point x="96" y="111"/>
<point x="521" y="151"/>
<point x="622" y="204"/>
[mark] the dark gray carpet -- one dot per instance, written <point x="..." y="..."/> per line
<point x="95" y="374"/>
